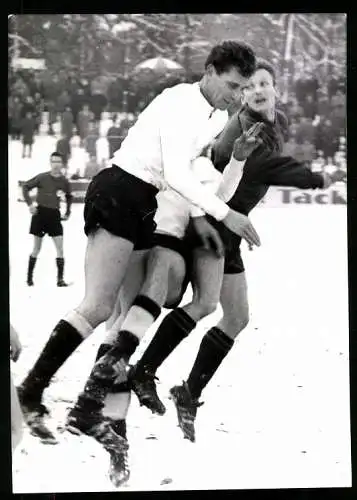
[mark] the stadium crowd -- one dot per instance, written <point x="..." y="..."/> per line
<point x="316" y="112"/>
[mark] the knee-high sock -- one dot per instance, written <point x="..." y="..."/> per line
<point x="60" y="268"/>
<point x="214" y="348"/>
<point x="106" y="369"/>
<point x="173" y="329"/>
<point x="65" y="338"/>
<point x="31" y="267"/>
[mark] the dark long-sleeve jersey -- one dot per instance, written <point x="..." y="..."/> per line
<point x="47" y="188"/>
<point x="265" y="167"/>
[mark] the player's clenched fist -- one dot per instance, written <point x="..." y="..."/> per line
<point x="247" y="142"/>
<point x="241" y="225"/>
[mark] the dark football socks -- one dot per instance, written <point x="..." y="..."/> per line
<point x="111" y="367"/>
<point x="214" y="348"/>
<point x="173" y="329"/>
<point x="119" y="426"/>
<point x="61" y="344"/>
<point x="30" y="268"/>
<point x="60" y="268"/>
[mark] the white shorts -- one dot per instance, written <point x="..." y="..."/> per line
<point x="173" y="212"/>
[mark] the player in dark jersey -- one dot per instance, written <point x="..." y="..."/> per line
<point x="45" y="211"/>
<point x="263" y="168"/>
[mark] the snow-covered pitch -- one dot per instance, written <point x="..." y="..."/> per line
<point x="276" y="414"/>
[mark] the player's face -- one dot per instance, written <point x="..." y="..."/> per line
<point x="260" y="93"/>
<point x="225" y="88"/>
<point x="56" y="165"/>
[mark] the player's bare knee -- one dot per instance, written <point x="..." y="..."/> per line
<point x="104" y="312"/>
<point x="95" y="311"/>
<point x="36" y="247"/>
<point x="176" y="275"/>
<point x="244" y="322"/>
<point x="157" y="263"/>
<point x="234" y="324"/>
<point x="204" y="306"/>
<point x="208" y="307"/>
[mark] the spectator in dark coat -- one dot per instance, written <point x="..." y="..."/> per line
<point x="305" y="130"/>
<point x="338" y="112"/>
<point x="67" y="123"/>
<point x="62" y="101"/>
<point x="77" y="102"/>
<point x="39" y="107"/>
<point x="323" y="106"/>
<point x="336" y="82"/>
<point x="28" y="107"/>
<point x="27" y="131"/>
<point x="310" y="107"/>
<point x="295" y="110"/>
<point x="15" y="117"/>
<point x="307" y="83"/>
<point x="83" y="119"/>
<point x="97" y="105"/>
<point x="326" y="138"/>
<point x="91" y="140"/>
<point x="114" y="96"/>
<point x="64" y="148"/>
<point x="114" y="136"/>
<point x="309" y="152"/>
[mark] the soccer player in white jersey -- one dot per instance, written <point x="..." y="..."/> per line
<point x="119" y="212"/>
<point x="173" y="261"/>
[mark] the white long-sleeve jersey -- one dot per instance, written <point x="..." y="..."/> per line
<point x="168" y="135"/>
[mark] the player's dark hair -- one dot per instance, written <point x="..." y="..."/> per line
<point x="230" y="54"/>
<point x="264" y="64"/>
<point x="56" y="154"/>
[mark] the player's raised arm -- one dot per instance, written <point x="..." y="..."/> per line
<point x="177" y="171"/>
<point x="286" y="171"/>
<point x="223" y="146"/>
<point x="243" y="147"/>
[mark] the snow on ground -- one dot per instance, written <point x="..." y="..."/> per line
<point x="276" y="415"/>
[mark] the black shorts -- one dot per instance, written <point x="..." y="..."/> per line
<point x="122" y="204"/>
<point x="46" y="221"/>
<point x="233" y="262"/>
<point x="185" y="250"/>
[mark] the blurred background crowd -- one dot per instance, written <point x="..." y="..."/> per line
<point x="69" y="73"/>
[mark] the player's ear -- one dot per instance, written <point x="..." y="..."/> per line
<point x="210" y="70"/>
<point x="242" y="98"/>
